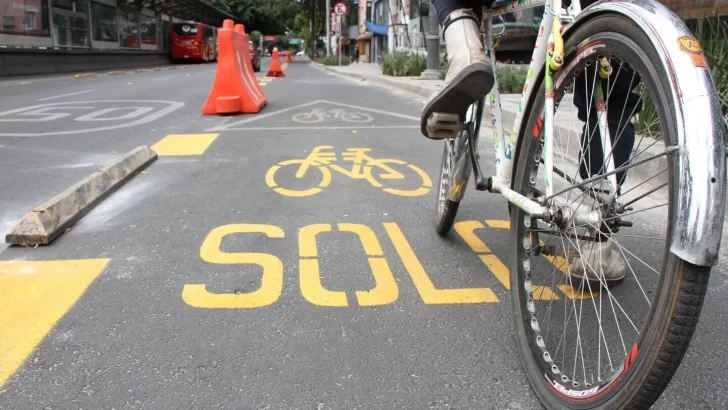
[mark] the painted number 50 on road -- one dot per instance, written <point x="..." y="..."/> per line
<point x="82" y="116"/>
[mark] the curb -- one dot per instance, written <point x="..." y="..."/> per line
<point x="49" y="220"/>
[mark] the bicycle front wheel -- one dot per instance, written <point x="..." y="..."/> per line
<point x="603" y="311"/>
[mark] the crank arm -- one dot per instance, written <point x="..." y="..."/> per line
<point x="481" y="184"/>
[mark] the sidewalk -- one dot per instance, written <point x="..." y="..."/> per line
<point x="416" y="85"/>
<point x="371" y="72"/>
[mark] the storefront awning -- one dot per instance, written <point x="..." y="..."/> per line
<point x="375" y="28"/>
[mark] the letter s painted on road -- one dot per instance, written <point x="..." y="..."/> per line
<point x="271" y="284"/>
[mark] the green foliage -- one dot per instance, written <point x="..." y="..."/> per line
<point x="511" y="78"/>
<point x="266" y="16"/>
<point x="711" y="32"/>
<point x="334" y="60"/>
<point x="255" y="37"/>
<point x="401" y="64"/>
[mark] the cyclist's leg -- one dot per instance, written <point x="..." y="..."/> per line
<point x="470" y="76"/>
<point x="621" y="104"/>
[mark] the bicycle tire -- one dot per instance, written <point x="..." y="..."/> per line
<point x="446" y="210"/>
<point x="674" y="313"/>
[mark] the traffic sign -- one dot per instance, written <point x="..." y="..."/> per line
<point x="340" y="9"/>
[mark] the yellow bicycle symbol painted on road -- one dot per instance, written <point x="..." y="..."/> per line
<point x="362" y="167"/>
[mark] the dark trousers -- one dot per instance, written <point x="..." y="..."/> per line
<point x="622" y="103"/>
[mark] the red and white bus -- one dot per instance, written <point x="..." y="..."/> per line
<point x="193" y="41"/>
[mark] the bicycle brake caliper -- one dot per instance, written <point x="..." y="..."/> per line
<point x="605" y="69"/>
<point x="557" y="54"/>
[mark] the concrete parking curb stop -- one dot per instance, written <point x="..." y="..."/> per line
<point x="47" y="221"/>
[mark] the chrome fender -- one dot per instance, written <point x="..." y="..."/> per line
<point x="698" y="221"/>
<point x="461" y="169"/>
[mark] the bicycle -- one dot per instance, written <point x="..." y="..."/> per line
<point x="560" y="227"/>
<point x="319" y="114"/>
<point x="362" y="167"/>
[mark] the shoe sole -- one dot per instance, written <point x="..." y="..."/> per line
<point x="469" y="86"/>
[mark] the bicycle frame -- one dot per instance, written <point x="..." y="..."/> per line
<point x="699" y="216"/>
<point x="505" y="148"/>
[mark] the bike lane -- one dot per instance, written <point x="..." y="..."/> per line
<point x="234" y="282"/>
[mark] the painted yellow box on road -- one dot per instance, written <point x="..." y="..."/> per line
<point x="184" y="144"/>
<point x="33" y="297"/>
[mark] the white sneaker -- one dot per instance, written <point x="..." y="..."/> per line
<point x="469" y="77"/>
<point x="602" y="261"/>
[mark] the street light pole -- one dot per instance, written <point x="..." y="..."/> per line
<point x="328" y="27"/>
<point x="433" y="46"/>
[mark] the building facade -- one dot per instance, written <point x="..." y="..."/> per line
<point x="400" y="25"/>
<point x="98" y="24"/>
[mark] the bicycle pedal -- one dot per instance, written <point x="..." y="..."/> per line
<point x="443" y="125"/>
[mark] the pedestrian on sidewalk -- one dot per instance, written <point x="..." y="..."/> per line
<point x="355" y="57"/>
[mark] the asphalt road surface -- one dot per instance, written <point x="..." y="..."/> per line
<point x="195" y="285"/>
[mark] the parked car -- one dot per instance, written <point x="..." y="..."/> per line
<point x="254" y="56"/>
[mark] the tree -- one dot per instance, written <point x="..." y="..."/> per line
<point x="266" y="16"/>
<point x="255" y="36"/>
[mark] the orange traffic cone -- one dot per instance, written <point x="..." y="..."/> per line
<point x="288" y="57"/>
<point x="275" y="69"/>
<point x="235" y="88"/>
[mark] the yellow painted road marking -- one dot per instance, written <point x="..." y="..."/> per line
<point x="84" y="75"/>
<point x="558" y="261"/>
<point x="385" y="287"/>
<point x="362" y="166"/>
<point x="427" y="290"/>
<point x="271" y="284"/>
<point x="33" y="297"/>
<point x="263" y="81"/>
<point x="118" y="72"/>
<point x="184" y="144"/>
<point x="466" y="230"/>
<point x="498" y="224"/>
<point x="573" y="293"/>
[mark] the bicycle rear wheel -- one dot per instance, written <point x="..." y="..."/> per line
<point x="585" y="342"/>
